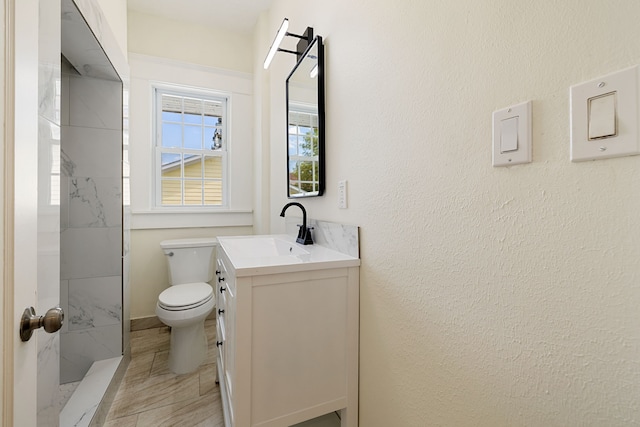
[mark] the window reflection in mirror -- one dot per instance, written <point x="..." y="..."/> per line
<point x="305" y="124"/>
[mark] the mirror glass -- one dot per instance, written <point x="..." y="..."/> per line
<point x="305" y="124"/>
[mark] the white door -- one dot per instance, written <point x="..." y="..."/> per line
<point x="28" y="256"/>
<point x="48" y="172"/>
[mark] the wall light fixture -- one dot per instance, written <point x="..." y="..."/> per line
<point x="305" y="39"/>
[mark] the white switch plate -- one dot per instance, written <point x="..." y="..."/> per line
<point x="503" y="133"/>
<point x="624" y="84"/>
<point x="342" y="194"/>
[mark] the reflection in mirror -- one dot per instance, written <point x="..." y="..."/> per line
<point x="305" y="124"/>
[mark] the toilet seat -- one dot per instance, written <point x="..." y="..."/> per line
<point x="185" y="297"/>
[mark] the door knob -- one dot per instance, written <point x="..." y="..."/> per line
<point x="52" y="321"/>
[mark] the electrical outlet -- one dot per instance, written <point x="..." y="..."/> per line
<point x="342" y="194"/>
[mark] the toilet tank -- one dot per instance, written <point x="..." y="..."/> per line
<point x="190" y="260"/>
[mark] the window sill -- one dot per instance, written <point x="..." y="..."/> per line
<point x="144" y="220"/>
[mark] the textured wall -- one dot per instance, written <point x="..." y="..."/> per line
<point x="489" y="296"/>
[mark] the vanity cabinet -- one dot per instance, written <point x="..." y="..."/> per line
<point x="287" y="342"/>
<point x="225" y="341"/>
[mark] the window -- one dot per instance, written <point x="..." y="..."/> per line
<point x="191" y="149"/>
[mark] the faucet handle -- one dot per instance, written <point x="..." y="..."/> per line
<point x="304" y="236"/>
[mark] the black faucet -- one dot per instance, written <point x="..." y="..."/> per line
<point x="304" y="234"/>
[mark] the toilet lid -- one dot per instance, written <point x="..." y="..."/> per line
<point x="183" y="297"/>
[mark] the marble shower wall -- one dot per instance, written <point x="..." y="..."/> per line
<point x="91" y="200"/>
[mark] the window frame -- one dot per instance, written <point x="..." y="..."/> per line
<point x="203" y="94"/>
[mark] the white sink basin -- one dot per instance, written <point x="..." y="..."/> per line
<point x="264" y="246"/>
<point x="279" y="254"/>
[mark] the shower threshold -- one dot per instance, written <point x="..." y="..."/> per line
<point x="88" y="400"/>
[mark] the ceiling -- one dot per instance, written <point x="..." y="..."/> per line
<point x="237" y="15"/>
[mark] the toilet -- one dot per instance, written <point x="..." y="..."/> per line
<point x="185" y="305"/>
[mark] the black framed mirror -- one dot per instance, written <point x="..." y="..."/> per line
<point x="305" y="124"/>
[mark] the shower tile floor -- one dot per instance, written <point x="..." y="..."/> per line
<point x="150" y="395"/>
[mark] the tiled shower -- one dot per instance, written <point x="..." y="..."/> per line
<point x="91" y="236"/>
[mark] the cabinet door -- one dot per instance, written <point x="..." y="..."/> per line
<point x="220" y="309"/>
<point x="220" y="343"/>
<point x="229" y="348"/>
<point x="220" y="325"/>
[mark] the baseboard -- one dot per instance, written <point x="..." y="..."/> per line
<point x="151" y="322"/>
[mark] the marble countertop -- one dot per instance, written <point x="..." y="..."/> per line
<point x="274" y="254"/>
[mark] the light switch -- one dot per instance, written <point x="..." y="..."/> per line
<point x="512" y="135"/>
<point x="342" y="194"/>
<point x="602" y="116"/>
<point x="509" y="135"/>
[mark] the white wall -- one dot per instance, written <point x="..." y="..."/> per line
<point x="262" y="129"/>
<point x="489" y="296"/>
<point x="148" y="71"/>
<point x="115" y="12"/>
<point x="195" y="57"/>
<point x="150" y="275"/>
<point x="189" y="42"/>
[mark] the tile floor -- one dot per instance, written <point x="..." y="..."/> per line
<point x="150" y="395"/>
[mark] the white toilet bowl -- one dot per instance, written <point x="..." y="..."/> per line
<point x="188" y="301"/>
<point x="184" y="308"/>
